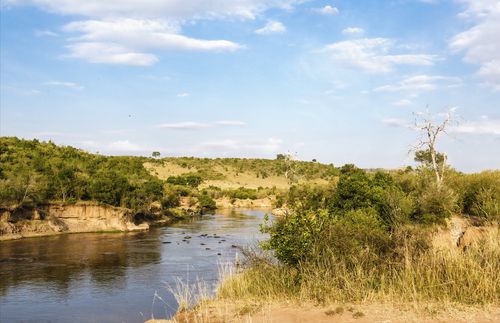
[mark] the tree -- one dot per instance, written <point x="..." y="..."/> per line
<point x="289" y="166"/>
<point x="156" y="154"/>
<point x="426" y="147"/>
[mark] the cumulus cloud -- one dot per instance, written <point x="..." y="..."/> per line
<point x="119" y="146"/>
<point x="484" y="126"/>
<point x="268" y="145"/>
<point x="131" y="32"/>
<point x="126" y="41"/>
<point x="182" y="95"/>
<point x="110" y="54"/>
<point x="353" y="31"/>
<point x="372" y="55"/>
<point x="271" y="27"/>
<point x="480" y="43"/>
<point x="187" y="125"/>
<point x="327" y="10"/>
<point x="69" y="85"/>
<point x="45" y="33"/>
<point x="124" y="145"/>
<point x="230" y="123"/>
<point x="170" y="9"/>
<point x="420" y="83"/>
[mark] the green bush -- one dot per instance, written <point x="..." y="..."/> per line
<point x="186" y="180"/>
<point x="206" y="202"/>
<point x="436" y="204"/>
<point x="170" y="199"/>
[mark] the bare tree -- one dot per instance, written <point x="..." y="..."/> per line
<point x="431" y="130"/>
<point x="289" y="164"/>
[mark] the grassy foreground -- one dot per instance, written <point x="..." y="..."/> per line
<point x="439" y="285"/>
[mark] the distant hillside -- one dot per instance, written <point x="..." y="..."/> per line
<point x="231" y="173"/>
<point x="34" y="172"/>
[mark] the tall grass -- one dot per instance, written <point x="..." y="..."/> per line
<point x="470" y="276"/>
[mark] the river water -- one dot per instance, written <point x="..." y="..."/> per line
<point x="103" y="277"/>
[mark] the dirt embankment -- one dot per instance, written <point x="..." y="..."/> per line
<point x="60" y="218"/>
<point x="223" y="311"/>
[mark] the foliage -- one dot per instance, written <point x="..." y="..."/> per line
<point x="206" y="202"/>
<point x="187" y="180"/>
<point x="34" y="172"/>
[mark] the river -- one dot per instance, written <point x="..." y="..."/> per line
<point x="114" y="277"/>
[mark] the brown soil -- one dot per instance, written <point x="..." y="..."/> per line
<point x="363" y="313"/>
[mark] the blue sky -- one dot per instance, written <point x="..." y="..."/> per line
<point x="338" y="81"/>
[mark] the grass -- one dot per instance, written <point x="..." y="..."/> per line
<point x="229" y="176"/>
<point x="443" y="276"/>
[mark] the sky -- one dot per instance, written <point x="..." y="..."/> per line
<point x="337" y="81"/>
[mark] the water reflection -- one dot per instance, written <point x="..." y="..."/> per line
<point x="113" y="277"/>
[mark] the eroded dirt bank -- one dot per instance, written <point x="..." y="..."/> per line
<point x="56" y="218"/>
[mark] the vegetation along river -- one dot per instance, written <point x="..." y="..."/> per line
<point x="113" y="277"/>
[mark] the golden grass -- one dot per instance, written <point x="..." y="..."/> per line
<point x="232" y="178"/>
<point x="443" y="276"/>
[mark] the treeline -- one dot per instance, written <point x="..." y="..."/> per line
<point x="33" y="172"/>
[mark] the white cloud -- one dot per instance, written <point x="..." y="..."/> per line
<point x="353" y="31"/>
<point x="397" y="122"/>
<point x="110" y="54"/>
<point x="130" y="31"/>
<point x="124" y="145"/>
<point x="420" y="83"/>
<point x="125" y="41"/>
<point x="268" y="145"/>
<point x="69" y="85"/>
<point x="230" y="123"/>
<point x="119" y="146"/>
<point x="402" y="103"/>
<point x="327" y="10"/>
<point x="192" y="125"/>
<point x="45" y="33"/>
<point x="188" y="125"/>
<point x="480" y="42"/>
<point x="271" y="27"/>
<point x="21" y="91"/>
<point x="484" y="126"/>
<point x="169" y="9"/>
<point x="372" y="55"/>
<point x="183" y="95"/>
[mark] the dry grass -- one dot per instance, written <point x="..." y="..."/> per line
<point x="232" y="178"/>
<point x="442" y="276"/>
<point x="440" y="286"/>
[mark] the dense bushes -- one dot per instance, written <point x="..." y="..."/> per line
<point x="33" y="172"/>
<point x="185" y="180"/>
<point x="362" y="211"/>
<point x="369" y="237"/>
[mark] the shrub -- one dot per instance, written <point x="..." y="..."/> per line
<point x="170" y="199"/>
<point x="206" y="202"/>
<point x="436" y="204"/>
<point x="186" y="180"/>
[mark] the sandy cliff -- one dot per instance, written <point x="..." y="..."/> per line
<point x="59" y="218"/>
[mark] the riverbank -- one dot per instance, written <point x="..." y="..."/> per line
<point x="257" y="312"/>
<point x="453" y="279"/>
<point x="82" y="217"/>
